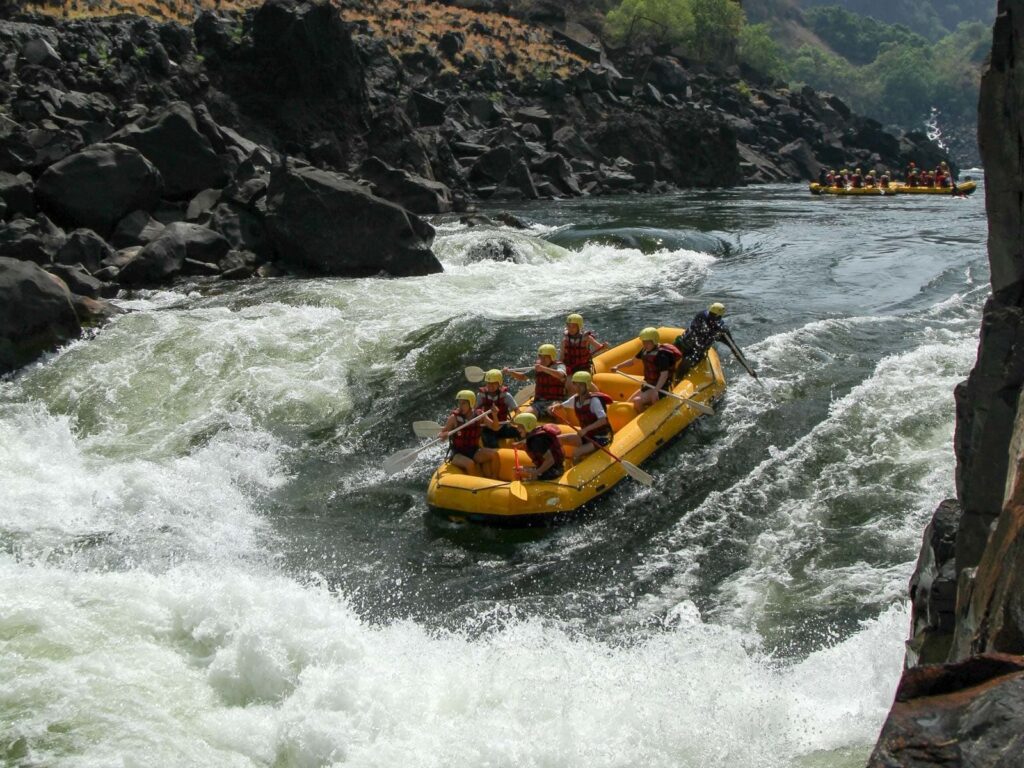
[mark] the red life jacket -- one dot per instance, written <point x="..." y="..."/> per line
<point x="550" y="432"/>
<point x="549" y="387"/>
<point x="651" y="369"/>
<point x="576" y="351"/>
<point x="468" y="438"/>
<point x="586" y="416"/>
<point x="488" y="398"/>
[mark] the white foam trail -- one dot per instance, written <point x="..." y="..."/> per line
<point x="229" y="668"/>
<point x="875" y="468"/>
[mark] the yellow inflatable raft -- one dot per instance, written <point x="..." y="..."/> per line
<point x="964" y="188"/>
<point x="896" y="188"/>
<point x="469" y="497"/>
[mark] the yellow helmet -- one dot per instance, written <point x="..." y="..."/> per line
<point x="857" y="171"/>
<point x="575" y="319"/>
<point x="718" y="308"/>
<point x="494" y="375"/>
<point x="549" y="350"/>
<point x="582" y="377"/>
<point x="650" y="334"/>
<point x="527" y="421"/>
<point x="469" y="395"/>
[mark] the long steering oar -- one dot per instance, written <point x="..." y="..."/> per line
<point x="404" y="459"/>
<point x="727" y="338"/>
<point x="707" y="410"/>
<point x="476" y="375"/>
<point x="631" y="469"/>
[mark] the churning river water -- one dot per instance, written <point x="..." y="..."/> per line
<point x="203" y="563"/>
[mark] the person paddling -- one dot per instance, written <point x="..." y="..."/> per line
<point x="578" y="346"/>
<point x="464" y="444"/>
<point x="549" y="377"/>
<point x="544" y="447"/>
<point x="494" y="396"/>
<point x="659" y="360"/>
<point x="590" y="408"/>
<point x="705" y="329"/>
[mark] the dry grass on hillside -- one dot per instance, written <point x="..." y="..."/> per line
<point x="523" y="49"/>
<point x="183" y="11"/>
<point x="406" y="27"/>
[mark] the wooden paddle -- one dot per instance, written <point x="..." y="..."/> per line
<point x="631" y="469"/>
<point x="404" y="459"/>
<point x="707" y="410"/>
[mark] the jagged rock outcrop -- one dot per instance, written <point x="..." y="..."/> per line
<point x="966" y="714"/>
<point x="968" y="708"/>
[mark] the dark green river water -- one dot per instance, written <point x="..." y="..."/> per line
<point x="203" y="562"/>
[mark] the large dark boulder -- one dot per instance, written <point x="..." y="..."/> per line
<point x="243" y="229"/>
<point x="36" y="314"/>
<point x="97" y="187"/>
<point x="137" y="228"/>
<point x="408" y="190"/>
<point x="35" y="240"/>
<point x="157" y="263"/>
<point x="328" y="224"/>
<point x="85" y="247"/>
<point x="171" y="141"/>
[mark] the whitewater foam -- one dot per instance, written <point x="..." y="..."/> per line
<point x="229" y="668"/>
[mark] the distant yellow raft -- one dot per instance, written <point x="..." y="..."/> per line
<point x="463" y="496"/>
<point x="965" y="188"/>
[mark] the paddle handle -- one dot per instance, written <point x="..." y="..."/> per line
<point x="588" y="438"/>
<point x="457" y="429"/>
<point x="651" y="386"/>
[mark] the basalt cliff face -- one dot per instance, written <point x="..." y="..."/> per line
<point x="961" y="699"/>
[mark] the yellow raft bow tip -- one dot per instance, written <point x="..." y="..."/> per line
<point x="508" y="501"/>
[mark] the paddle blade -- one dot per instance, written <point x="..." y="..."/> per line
<point x="518" y="490"/>
<point x="637" y="474"/>
<point x="707" y="410"/>
<point x="426" y="429"/>
<point x="396" y="462"/>
<point x="474" y="374"/>
<point x="525" y="394"/>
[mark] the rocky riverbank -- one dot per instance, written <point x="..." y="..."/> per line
<point x="252" y="142"/>
<point x="961" y="700"/>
